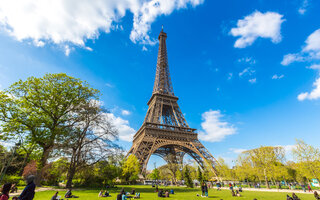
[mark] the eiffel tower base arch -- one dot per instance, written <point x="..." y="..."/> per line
<point x="171" y="145"/>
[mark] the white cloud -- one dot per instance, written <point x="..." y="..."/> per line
<point x="277" y="76"/>
<point x="314" y="94"/>
<point x="253" y="80"/>
<point x="247" y="71"/>
<point x="125" y="112"/>
<point x="313" y="44"/>
<point x="144" y="48"/>
<point x="230" y="75"/>
<point x="249" y="60"/>
<point x="214" y="128"/>
<point x="237" y="151"/>
<point x="315" y="66"/>
<point x="149" y="11"/>
<point x="303" y="7"/>
<point x="109" y="85"/>
<point x="73" y="22"/>
<point x="126" y="132"/>
<point x="310" y="51"/>
<point x="255" y="25"/>
<point x="290" y="58"/>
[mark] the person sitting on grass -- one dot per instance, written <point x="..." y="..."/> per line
<point x="137" y="196"/>
<point x="119" y="196"/>
<point x="124" y="196"/>
<point x="55" y="196"/>
<point x="100" y="193"/>
<point x="160" y="193"/>
<point x="238" y="193"/>
<point x="171" y="191"/>
<point x="166" y="194"/>
<point x="5" y="191"/>
<point x="106" y="194"/>
<point x="69" y="195"/>
<point x="316" y="195"/>
<point x="133" y="191"/>
<point x="232" y="193"/>
<point x="289" y="198"/>
<point x="295" y="197"/>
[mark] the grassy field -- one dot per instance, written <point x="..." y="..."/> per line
<point x="181" y="193"/>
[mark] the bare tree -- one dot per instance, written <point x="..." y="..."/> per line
<point x="91" y="139"/>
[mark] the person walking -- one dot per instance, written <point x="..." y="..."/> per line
<point x="309" y="188"/>
<point x="5" y="191"/>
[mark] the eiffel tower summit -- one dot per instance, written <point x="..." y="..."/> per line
<point x="165" y="132"/>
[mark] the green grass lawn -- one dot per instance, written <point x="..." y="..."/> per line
<point x="181" y="193"/>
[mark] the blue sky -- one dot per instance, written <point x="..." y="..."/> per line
<point x="246" y="72"/>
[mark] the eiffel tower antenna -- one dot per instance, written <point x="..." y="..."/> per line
<point x="165" y="131"/>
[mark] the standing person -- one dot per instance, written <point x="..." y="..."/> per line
<point x="28" y="191"/>
<point x="202" y="189"/>
<point x="303" y="187"/>
<point x="205" y="190"/>
<point x="309" y="188"/>
<point x="5" y="191"/>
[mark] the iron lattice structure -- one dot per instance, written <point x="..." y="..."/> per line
<point x="165" y="131"/>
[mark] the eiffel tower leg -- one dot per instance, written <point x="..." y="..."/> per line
<point x="142" y="152"/>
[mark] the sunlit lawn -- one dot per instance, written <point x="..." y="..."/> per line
<point x="181" y="193"/>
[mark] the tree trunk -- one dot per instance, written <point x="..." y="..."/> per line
<point x="266" y="179"/>
<point x="43" y="162"/>
<point x="24" y="164"/>
<point x="71" y="172"/>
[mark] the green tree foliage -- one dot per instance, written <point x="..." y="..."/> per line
<point x="56" y="171"/>
<point x="224" y="171"/>
<point x="200" y="176"/>
<point x="187" y="177"/>
<point x="155" y="174"/>
<point x="43" y="109"/>
<point x="131" y="169"/>
<point x="308" y="158"/>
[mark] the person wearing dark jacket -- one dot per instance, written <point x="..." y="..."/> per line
<point x="28" y="191"/>
<point x="160" y="193"/>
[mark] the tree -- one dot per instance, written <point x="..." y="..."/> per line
<point x="308" y="158"/>
<point x="90" y="139"/>
<point x="131" y="169"/>
<point x="200" y="176"/>
<point x="187" y="177"/>
<point x="224" y="171"/>
<point x="155" y="174"/>
<point x="43" y="108"/>
<point x="264" y="159"/>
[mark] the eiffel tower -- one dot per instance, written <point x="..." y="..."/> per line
<point x="165" y="131"/>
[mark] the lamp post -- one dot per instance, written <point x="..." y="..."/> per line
<point x="16" y="146"/>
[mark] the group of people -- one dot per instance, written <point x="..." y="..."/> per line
<point x="27" y="193"/>
<point x="104" y="194"/>
<point x="235" y="190"/>
<point x="163" y="194"/>
<point x="124" y="196"/>
<point x="294" y="197"/>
